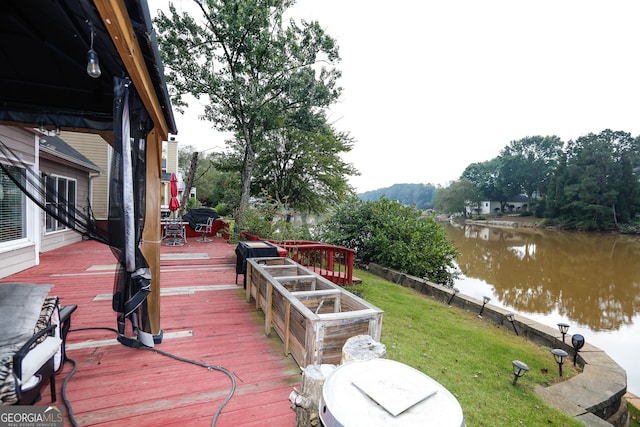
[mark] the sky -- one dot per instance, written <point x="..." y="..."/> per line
<point x="430" y="87"/>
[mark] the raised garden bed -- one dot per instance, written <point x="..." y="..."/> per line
<point x="312" y="316"/>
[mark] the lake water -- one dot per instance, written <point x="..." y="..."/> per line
<point x="590" y="281"/>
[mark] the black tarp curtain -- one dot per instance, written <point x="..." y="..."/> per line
<point x="131" y="125"/>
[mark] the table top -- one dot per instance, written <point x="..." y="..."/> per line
<point x="383" y="392"/>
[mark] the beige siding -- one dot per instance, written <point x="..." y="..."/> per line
<point x="172" y="156"/>
<point x="18" y="256"/>
<point x="59" y="239"/>
<point x="20" y="141"/>
<point x="97" y="150"/>
<point x="17" y="260"/>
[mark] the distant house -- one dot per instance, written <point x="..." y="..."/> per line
<point x="516" y="205"/>
<point x="26" y="230"/>
<point x="170" y="166"/>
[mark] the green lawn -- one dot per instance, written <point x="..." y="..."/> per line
<point x="470" y="356"/>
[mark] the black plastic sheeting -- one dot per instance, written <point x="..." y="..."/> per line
<point x="197" y="216"/>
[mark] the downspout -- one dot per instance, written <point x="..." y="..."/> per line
<point x="90" y="213"/>
<point x="37" y="216"/>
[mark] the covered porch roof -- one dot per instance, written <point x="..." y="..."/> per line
<point x="43" y="52"/>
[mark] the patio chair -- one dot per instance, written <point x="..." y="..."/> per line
<point x="204" y="229"/>
<point x="175" y="233"/>
<point x="27" y="367"/>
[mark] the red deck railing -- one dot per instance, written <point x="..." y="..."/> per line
<point x="332" y="262"/>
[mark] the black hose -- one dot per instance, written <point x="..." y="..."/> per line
<point x="66" y="402"/>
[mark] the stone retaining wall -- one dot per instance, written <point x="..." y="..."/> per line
<point x="595" y="397"/>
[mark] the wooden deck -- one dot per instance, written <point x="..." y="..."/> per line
<point x="204" y="317"/>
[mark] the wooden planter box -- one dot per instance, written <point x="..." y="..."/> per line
<point x="313" y="317"/>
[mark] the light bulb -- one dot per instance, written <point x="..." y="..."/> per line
<point x="93" y="65"/>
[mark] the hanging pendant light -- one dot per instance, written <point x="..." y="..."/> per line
<point x="93" y="64"/>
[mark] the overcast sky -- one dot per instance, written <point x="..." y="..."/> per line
<point x="432" y="86"/>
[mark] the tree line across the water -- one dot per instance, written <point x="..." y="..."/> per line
<point x="590" y="183"/>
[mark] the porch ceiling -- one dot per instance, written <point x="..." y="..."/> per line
<point x="43" y="52"/>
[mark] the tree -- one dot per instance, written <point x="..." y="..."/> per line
<point x="491" y="183"/>
<point x="598" y="188"/>
<point x="257" y="74"/>
<point x="556" y="198"/>
<point x="529" y="162"/>
<point x="457" y="196"/>
<point x="303" y="169"/>
<point x="213" y="185"/>
<point x="393" y="235"/>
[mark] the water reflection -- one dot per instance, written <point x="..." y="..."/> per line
<point x="591" y="279"/>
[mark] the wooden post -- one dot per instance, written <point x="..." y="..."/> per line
<point x="247" y="281"/>
<point x="269" y="309"/>
<point x="362" y="347"/>
<point x="287" y="328"/>
<point x="150" y="244"/>
<point x="306" y="401"/>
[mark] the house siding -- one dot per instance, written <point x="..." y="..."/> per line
<point x="21" y="254"/>
<point x="487" y="207"/>
<point x="172" y="156"/>
<point x="98" y="151"/>
<point x="18" y="259"/>
<point x="57" y="239"/>
<point x="171" y="166"/>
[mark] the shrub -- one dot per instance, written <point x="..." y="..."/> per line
<point x="222" y="209"/>
<point x="393" y="235"/>
<point x="268" y="219"/>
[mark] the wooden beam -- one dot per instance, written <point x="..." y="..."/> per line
<point x="151" y="239"/>
<point x="118" y="23"/>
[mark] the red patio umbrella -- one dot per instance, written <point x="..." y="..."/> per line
<point x="174" y="203"/>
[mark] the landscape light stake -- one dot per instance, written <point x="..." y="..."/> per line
<point x="578" y="342"/>
<point x="519" y="369"/>
<point x="511" y="318"/>
<point x="485" y="300"/>
<point x="455" y="292"/>
<point x="563" y="327"/>
<point x="559" y="355"/>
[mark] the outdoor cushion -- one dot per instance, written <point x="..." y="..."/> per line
<point x="38" y="356"/>
<point x="30" y="340"/>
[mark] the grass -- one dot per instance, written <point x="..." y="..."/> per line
<point x="634" y="415"/>
<point x="470" y="356"/>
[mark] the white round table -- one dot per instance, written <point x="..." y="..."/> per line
<point x="382" y="392"/>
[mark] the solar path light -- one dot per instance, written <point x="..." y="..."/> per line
<point x="455" y="292"/>
<point x="559" y="355"/>
<point x="578" y="342"/>
<point x="563" y="327"/>
<point x="485" y="300"/>
<point x="519" y="369"/>
<point x="511" y="318"/>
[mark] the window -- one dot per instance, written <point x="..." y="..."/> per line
<point x="60" y="198"/>
<point x="12" y="206"/>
